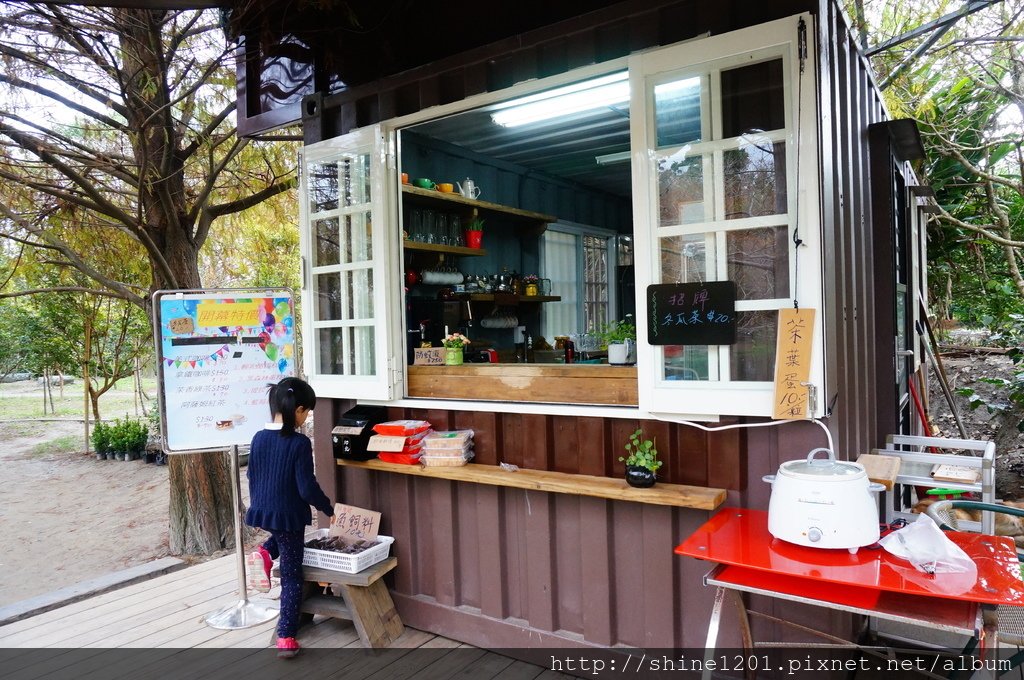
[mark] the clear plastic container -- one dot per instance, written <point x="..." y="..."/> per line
<point x="435" y="460"/>
<point x="451" y="439"/>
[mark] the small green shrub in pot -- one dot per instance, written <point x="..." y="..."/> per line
<point x="617" y="332"/>
<point x="642" y="463"/>
<point x="100" y="438"/>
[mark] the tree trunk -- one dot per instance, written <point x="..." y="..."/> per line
<point x="201" y="518"/>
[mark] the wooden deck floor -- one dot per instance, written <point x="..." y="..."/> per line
<point x="168" y="612"/>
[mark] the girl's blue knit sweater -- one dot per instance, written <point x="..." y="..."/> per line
<point x="281" y="482"/>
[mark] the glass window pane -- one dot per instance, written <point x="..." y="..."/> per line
<point x="560" y="318"/>
<point x="680" y="189"/>
<point x="755" y="179"/>
<point x="685" y="362"/>
<point x="323" y="187"/>
<point x="355" y="174"/>
<point x="358" y="246"/>
<point x="677" y="112"/>
<point x="753" y="356"/>
<point x="346" y="351"/>
<point x="328" y="290"/>
<point x="330" y="346"/>
<point x="326" y="242"/>
<point x="753" y="99"/>
<point x="361" y="354"/>
<point x="684" y="259"/>
<point x="360" y="294"/>
<point x="759" y="262"/>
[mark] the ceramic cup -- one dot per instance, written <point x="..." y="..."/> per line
<point x="405" y="178"/>
<point x="423" y="183"/>
<point x="444" y="187"/>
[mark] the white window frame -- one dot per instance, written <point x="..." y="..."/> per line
<point x="707" y="58"/>
<point x="381" y="384"/>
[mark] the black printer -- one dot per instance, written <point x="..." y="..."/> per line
<point x="353" y="431"/>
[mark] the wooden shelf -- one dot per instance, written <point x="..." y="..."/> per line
<point x="509" y="298"/>
<point x="438" y="248"/>
<point x="676" y="495"/>
<point x="437" y="197"/>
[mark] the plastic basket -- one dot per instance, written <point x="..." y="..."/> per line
<point x="349" y="564"/>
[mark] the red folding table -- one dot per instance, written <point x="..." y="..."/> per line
<point x="872" y="582"/>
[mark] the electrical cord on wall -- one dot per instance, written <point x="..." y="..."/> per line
<point x="770" y="423"/>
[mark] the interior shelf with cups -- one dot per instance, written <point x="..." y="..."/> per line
<point x="443" y="248"/>
<point x="470" y="207"/>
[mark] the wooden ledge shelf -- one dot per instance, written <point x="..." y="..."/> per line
<point x="676" y="495"/>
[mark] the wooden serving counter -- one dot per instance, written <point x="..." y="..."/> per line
<point x="595" y="384"/>
<point x="674" y="495"/>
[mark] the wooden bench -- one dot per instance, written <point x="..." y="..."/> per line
<point x="362" y="598"/>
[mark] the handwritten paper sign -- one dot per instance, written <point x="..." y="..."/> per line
<point x="383" y="442"/>
<point x="428" y="356"/>
<point x="354" y="524"/>
<point x="793" y="363"/>
<point x="692" y="313"/>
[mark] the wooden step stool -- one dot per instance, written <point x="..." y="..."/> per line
<point x="363" y="598"/>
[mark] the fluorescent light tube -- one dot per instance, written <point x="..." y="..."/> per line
<point x="564" y="101"/>
<point x="610" y="158"/>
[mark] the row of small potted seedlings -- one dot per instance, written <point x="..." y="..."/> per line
<point x="121" y="440"/>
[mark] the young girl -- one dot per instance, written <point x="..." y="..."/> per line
<point x="281" y="489"/>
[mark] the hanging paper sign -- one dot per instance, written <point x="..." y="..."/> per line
<point x="692" y="313"/>
<point x="218" y="353"/>
<point x="793" y="363"/>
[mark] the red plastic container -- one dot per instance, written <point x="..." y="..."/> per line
<point x="401" y="458"/>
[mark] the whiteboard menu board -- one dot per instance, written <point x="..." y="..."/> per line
<point x="218" y="352"/>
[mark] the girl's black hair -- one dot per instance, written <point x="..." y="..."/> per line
<point x="288" y="395"/>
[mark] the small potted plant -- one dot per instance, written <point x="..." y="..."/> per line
<point x="474" y="232"/>
<point x="101" y="439"/>
<point x="619" y="338"/>
<point x="642" y="462"/>
<point x="454" y="343"/>
<point x="531" y="284"/>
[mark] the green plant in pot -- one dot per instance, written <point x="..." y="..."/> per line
<point x="474" y="232"/>
<point x="619" y="338"/>
<point x="642" y="462"/>
<point x="100" y="439"/>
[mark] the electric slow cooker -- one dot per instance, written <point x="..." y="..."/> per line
<point x="823" y="503"/>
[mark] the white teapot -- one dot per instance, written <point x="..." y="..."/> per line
<point x="468" y="189"/>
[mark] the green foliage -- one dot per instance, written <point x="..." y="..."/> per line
<point x="126" y="435"/>
<point x="475" y="224"/>
<point x="617" y="332"/>
<point x="100" y="437"/>
<point x="642" y="452"/>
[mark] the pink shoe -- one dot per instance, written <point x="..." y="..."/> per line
<point x="258" y="565"/>
<point x="287" y="647"/>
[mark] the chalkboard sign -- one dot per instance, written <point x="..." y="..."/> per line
<point x="692" y="313"/>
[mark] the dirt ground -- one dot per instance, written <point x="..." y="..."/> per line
<point x="968" y="370"/>
<point x="68" y="518"/>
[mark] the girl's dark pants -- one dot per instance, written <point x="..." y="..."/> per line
<point x="288" y="545"/>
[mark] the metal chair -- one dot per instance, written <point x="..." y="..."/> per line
<point x="1010" y="619"/>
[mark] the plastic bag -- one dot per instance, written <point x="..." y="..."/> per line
<point x="924" y="545"/>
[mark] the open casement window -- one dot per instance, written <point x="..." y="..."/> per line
<point x="725" y="171"/>
<point x="347" y="340"/>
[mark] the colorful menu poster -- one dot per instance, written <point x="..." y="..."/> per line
<point x="219" y="352"/>
<point x="793" y="363"/>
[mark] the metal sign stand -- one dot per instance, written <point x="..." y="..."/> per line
<point x="242" y="614"/>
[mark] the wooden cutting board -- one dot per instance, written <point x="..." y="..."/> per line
<point x="881" y="469"/>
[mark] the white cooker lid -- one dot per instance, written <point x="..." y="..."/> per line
<point x="823" y="469"/>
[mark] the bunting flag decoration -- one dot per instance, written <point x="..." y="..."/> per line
<point x="221" y="353"/>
